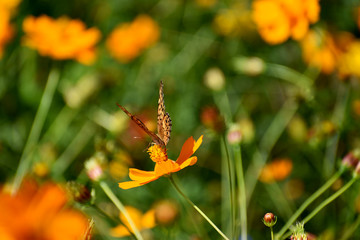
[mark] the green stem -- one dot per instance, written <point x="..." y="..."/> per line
<point x="242" y="190"/>
<point x="329" y="200"/>
<point x="231" y="186"/>
<point x="272" y="233"/>
<point x="43" y="109"/>
<point x="196" y="208"/>
<point x="307" y="203"/>
<point x="121" y="207"/>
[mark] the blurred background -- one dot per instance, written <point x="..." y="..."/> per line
<point x="280" y="78"/>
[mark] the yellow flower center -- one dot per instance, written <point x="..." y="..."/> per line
<point x="157" y="153"/>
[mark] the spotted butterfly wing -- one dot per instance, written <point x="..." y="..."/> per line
<point x="163" y="118"/>
<point x="163" y="122"/>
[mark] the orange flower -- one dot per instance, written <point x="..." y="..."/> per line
<point x="128" y="40"/>
<point x="319" y="50"/>
<point x="6" y="30"/>
<point x="163" y="165"/>
<point x="141" y="221"/>
<point x="277" y="20"/>
<point x="38" y="213"/>
<point x="61" y="38"/>
<point x="277" y="170"/>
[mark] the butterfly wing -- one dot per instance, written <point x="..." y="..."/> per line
<point x="156" y="139"/>
<point x="163" y="118"/>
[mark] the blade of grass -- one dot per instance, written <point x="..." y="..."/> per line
<point x="43" y="109"/>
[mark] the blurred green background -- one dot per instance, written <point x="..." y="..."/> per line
<point x="215" y="79"/>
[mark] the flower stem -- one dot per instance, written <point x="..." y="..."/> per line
<point x="229" y="182"/>
<point x="272" y="233"/>
<point x="329" y="199"/>
<point x="242" y="191"/>
<point x="196" y="208"/>
<point x="307" y="203"/>
<point x="43" y="109"/>
<point x="121" y="207"/>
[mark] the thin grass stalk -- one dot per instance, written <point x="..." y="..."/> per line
<point x="43" y="109"/>
<point x="230" y="177"/>
<point x="330" y="199"/>
<point x="307" y="203"/>
<point x="197" y="208"/>
<point x="121" y="208"/>
<point x="241" y="190"/>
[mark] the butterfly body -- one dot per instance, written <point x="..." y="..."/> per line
<point x="163" y="121"/>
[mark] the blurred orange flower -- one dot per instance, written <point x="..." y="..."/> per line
<point x="141" y="221"/>
<point x="163" y="165"/>
<point x="277" y="20"/>
<point x="61" y="38"/>
<point x="128" y="40"/>
<point x="277" y="170"/>
<point x="6" y="30"/>
<point x="38" y="213"/>
<point x="319" y="50"/>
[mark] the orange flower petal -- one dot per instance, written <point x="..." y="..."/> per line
<point x="189" y="162"/>
<point x="188" y="149"/>
<point x="166" y="167"/>
<point x="140" y="175"/>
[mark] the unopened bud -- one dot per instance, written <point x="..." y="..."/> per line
<point x="94" y="166"/>
<point x="251" y="66"/>
<point x="234" y="135"/>
<point x="214" y="79"/>
<point x="166" y="212"/>
<point x="79" y="192"/>
<point x="212" y="119"/>
<point x="351" y="160"/>
<point x="269" y="219"/>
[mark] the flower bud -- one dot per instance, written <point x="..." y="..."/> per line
<point x="351" y="160"/>
<point x="299" y="232"/>
<point x="79" y="192"/>
<point x="166" y="212"/>
<point x="94" y="166"/>
<point x="212" y="119"/>
<point x="251" y="66"/>
<point x="269" y="219"/>
<point x="214" y="79"/>
<point x="234" y="135"/>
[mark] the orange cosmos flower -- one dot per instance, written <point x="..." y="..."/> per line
<point x="38" y="213"/>
<point x="277" y="170"/>
<point x="141" y="221"/>
<point x="6" y="30"/>
<point x="61" y="38"/>
<point x="128" y="40"/>
<point x="163" y="165"/>
<point x="319" y="50"/>
<point x="277" y="20"/>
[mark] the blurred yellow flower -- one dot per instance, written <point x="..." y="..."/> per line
<point x="349" y="62"/>
<point x="128" y="40"/>
<point x="277" y="170"/>
<point x="278" y="20"/>
<point x="6" y="30"/>
<point x="141" y="221"/>
<point x="38" y="213"/>
<point x="319" y="50"/>
<point x="61" y="38"/>
<point x="235" y="21"/>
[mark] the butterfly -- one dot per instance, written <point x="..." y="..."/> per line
<point x="163" y="121"/>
